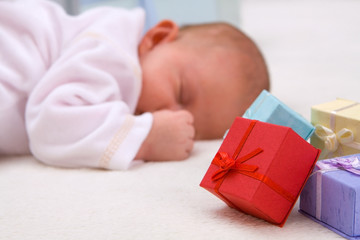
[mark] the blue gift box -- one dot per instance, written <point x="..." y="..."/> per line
<point x="267" y="108"/>
<point x="331" y="197"/>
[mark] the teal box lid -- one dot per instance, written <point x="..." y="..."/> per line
<point x="267" y="108"/>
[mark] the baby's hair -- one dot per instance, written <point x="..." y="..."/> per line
<point x="240" y="47"/>
<point x="216" y="33"/>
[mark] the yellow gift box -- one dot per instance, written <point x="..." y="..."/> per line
<point x="337" y="128"/>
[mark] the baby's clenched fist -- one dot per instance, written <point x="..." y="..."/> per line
<point x="170" y="138"/>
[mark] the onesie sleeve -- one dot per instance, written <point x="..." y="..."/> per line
<point x="80" y="114"/>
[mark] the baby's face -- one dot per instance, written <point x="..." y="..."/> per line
<point x="176" y="77"/>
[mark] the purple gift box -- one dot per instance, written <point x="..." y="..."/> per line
<point x="331" y="196"/>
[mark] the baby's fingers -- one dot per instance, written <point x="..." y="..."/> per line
<point x="186" y="116"/>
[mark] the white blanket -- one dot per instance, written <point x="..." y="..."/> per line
<point x="312" y="48"/>
<point x="151" y="201"/>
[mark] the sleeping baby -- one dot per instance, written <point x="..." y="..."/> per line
<point x="94" y="91"/>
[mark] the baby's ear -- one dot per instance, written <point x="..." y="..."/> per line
<point x="165" y="31"/>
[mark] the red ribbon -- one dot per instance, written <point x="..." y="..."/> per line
<point x="227" y="164"/>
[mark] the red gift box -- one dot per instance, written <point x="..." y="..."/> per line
<point x="260" y="169"/>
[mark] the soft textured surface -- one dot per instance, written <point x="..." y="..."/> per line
<point x="313" y="52"/>
<point x="152" y="201"/>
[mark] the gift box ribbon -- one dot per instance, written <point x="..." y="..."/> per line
<point x="348" y="163"/>
<point x="235" y="163"/>
<point x="332" y="140"/>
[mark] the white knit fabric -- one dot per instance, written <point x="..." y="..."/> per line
<point x="74" y="82"/>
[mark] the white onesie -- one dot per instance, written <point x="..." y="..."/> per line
<point x="69" y="85"/>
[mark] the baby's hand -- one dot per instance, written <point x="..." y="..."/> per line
<point x="170" y="138"/>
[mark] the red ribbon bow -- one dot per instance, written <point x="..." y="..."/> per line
<point x="226" y="164"/>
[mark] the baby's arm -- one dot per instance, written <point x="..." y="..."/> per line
<point x="80" y="112"/>
<point x="170" y="138"/>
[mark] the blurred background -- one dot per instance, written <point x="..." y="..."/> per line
<point x="180" y="11"/>
<point x="312" y="47"/>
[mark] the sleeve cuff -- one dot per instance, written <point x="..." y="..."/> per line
<point x="132" y="135"/>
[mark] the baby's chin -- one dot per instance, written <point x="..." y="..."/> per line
<point x="209" y="134"/>
<point x="216" y="128"/>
